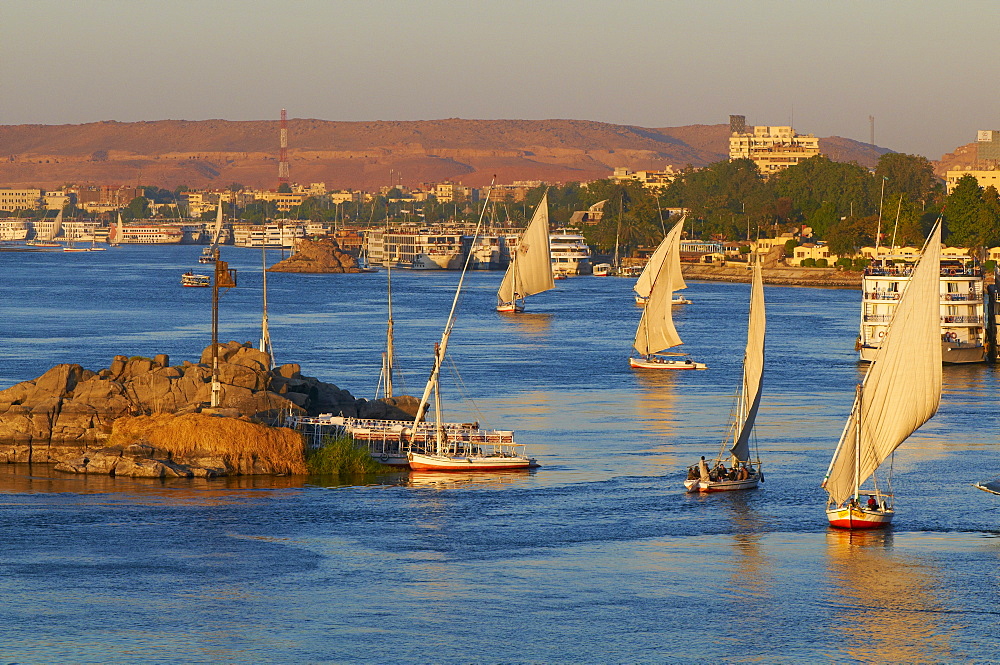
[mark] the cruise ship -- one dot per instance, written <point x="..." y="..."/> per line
<point x="570" y="253"/>
<point x="962" y="307"/>
<point x="416" y="248"/>
<point x="13" y="230"/>
<point x="145" y="234"/>
<point x="275" y="234"/>
<point x="491" y="251"/>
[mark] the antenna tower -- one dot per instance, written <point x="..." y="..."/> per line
<point x="283" y="151"/>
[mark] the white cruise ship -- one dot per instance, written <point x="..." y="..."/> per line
<point x="145" y="234"/>
<point x="962" y="308"/>
<point x="570" y="253"/>
<point x="275" y="234"/>
<point x="13" y="230"/>
<point x="415" y="249"/>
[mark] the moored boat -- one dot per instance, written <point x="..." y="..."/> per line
<point x="900" y="391"/>
<point x="462" y="450"/>
<point x="962" y="308"/>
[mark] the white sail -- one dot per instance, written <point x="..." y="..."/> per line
<point x="530" y="269"/>
<point x="656" y="330"/>
<point x="753" y="369"/>
<point x="644" y="284"/>
<point x="218" y="225"/>
<point x="902" y="388"/>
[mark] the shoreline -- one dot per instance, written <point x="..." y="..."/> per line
<point x="777" y="276"/>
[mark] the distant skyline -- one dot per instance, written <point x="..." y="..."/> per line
<point x="922" y="69"/>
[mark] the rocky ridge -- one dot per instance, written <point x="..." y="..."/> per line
<point x="69" y="411"/>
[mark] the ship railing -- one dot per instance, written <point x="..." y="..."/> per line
<point x="878" y="318"/>
<point x="970" y="296"/>
<point x="882" y="295"/>
<point x="962" y="319"/>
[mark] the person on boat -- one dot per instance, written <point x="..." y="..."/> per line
<point x="703" y="469"/>
<point x="743" y="474"/>
<point x="872" y="503"/>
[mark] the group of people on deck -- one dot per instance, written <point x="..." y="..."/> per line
<point x="718" y="473"/>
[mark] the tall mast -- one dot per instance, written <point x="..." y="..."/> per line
<point x="265" y="333"/>
<point x="443" y="345"/>
<point x="389" y="341"/>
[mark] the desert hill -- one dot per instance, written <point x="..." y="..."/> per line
<point x="358" y="155"/>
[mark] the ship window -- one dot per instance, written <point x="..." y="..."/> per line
<point x="893" y="287"/>
<point x="952" y="287"/>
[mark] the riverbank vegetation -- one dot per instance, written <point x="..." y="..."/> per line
<point x="340" y="456"/>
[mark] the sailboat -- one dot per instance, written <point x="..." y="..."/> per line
<point x="385" y="379"/>
<point x="901" y="391"/>
<point x="114" y="231"/>
<point x="463" y="449"/>
<point x="265" y="333"/>
<point x="211" y="253"/>
<point x="644" y="284"/>
<point x="656" y="331"/>
<point x="744" y="473"/>
<point x="46" y="240"/>
<point x="530" y="268"/>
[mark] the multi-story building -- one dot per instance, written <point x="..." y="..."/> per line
<point x="772" y="149"/>
<point x="20" y="199"/>
<point x="986" y="177"/>
<point x="649" y="179"/>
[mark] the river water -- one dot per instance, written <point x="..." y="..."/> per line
<point x="597" y="556"/>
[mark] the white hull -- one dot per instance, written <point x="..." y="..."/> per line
<point x="962" y="309"/>
<point x="420" y="462"/>
<point x="951" y="354"/>
<point x="859" y="518"/>
<point x="676" y="300"/>
<point x="657" y="362"/>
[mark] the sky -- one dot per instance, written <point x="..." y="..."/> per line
<point x="923" y="70"/>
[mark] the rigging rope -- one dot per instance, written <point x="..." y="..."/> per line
<point x="465" y="395"/>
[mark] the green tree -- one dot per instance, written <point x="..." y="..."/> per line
<point x="964" y="212"/>
<point x="911" y="175"/>
<point x="284" y="188"/>
<point x="138" y="208"/>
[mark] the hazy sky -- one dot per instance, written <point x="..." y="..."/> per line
<point x="923" y="69"/>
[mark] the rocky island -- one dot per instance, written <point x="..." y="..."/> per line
<point x="317" y="256"/>
<point x="143" y="417"/>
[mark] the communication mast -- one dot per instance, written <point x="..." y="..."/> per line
<point x="283" y="151"/>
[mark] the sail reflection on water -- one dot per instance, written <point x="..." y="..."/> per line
<point x="530" y="324"/>
<point x="884" y="601"/>
<point x="656" y="414"/>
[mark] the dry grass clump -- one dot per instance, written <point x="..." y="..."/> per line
<point x="241" y="444"/>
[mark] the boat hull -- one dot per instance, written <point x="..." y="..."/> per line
<point x="510" y="308"/>
<point x="420" y="462"/>
<point x="859" y="518"/>
<point x="663" y="363"/>
<point x="722" y="485"/>
<point x="950" y="354"/>
<point x="641" y="302"/>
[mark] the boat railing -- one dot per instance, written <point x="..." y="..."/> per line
<point x="970" y="296"/>
<point x="878" y="318"/>
<point x="882" y="295"/>
<point x="961" y="319"/>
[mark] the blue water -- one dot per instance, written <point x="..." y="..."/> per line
<point x="598" y="556"/>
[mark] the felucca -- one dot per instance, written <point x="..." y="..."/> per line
<point x="656" y="331"/>
<point x="644" y="284"/>
<point x="463" y="449"/>
<point x="900" y="392"/>
<point x="210" y="254"/>
<point x="530" y="268"/>
<point x="744" y="473"/>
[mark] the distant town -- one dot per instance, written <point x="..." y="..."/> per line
<point x="776" y="188"/>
